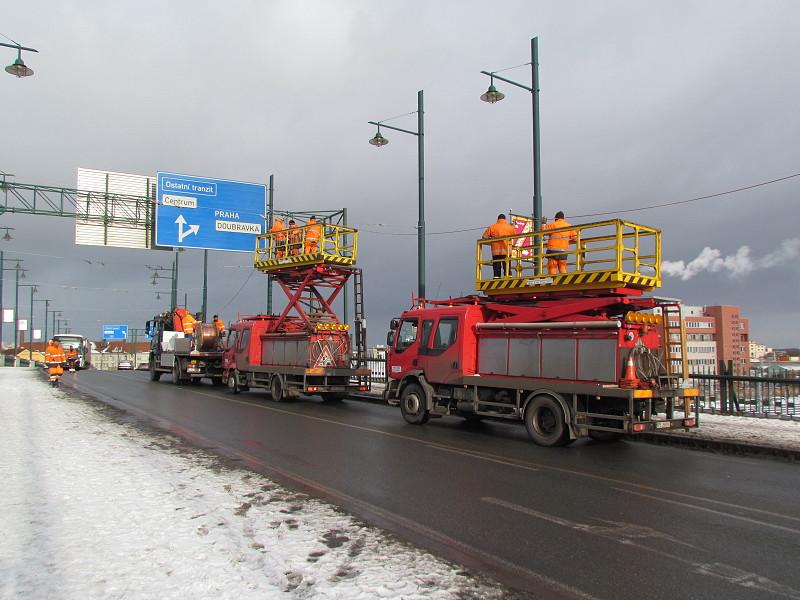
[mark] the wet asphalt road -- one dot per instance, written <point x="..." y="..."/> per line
<point x="622" y="520"/>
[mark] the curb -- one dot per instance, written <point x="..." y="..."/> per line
<point x="723" y="446"/>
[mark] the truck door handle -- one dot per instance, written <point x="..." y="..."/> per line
<point x="414" y="362"/>
<point x="455" y="364"/>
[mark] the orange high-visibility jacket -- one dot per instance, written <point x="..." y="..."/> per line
<point x="54" y="353"/>
<point x="560" y="239"/>
<point x="220" y="325"/>
<point x="189" y="323"/>
<point x="499" y="229"/>
<point x="313" y="231"/>
<point x="279" y="230"/>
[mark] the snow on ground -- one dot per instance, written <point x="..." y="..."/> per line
<point x="95" y="506"/>
<point x="775" y="433"/>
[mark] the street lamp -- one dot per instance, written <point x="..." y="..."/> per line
<point x="54" y="313"/>
<point x="34" y="290"/>
<point x="19" y="273"/>
<point x="7" y="237"/>
<point x="379" y="141"/>
<point x="18" y="68"/>
<point x="492" y="95"/>
<point x="46" y="310"/>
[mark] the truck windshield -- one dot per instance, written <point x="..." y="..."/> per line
<point x="407" y="334"/>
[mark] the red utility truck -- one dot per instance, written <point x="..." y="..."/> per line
<point x="306" y="349"/>
<point x="573" y="354"/>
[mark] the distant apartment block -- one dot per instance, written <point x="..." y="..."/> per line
<point x="713" y="334"/>
<point x="758" y="351"/>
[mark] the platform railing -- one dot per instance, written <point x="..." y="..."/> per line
<point x="605" y="254"/>
<point x="311" y="244"/>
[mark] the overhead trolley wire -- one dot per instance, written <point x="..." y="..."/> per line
<point x="614" y="212"/>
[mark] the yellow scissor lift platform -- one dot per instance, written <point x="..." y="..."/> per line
<point x="317" y="244"/>
<point x="601" y="256"/>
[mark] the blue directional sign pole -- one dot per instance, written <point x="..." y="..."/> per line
<point x="271" y="214"/>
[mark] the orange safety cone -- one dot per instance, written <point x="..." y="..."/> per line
<point x="629" y="378"/>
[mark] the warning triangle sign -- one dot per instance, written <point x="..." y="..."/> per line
<point x="325" y="358"/>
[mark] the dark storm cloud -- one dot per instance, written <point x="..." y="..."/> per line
<point x="641" y="104"/>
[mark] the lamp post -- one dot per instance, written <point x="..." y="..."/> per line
<point x="19" y="273"/>
<point x="54" y="313"/>
<point x="173" y="277"/>
<point x="379" y="141"/>
<point x="492" y="95"/>
<point x="46" y="306"/>
<point x="34" y="290"/>
<point x="18" y="68"/>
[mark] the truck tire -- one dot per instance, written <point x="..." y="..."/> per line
<point x="154" y="375"/>
<point x="276" y="388"/>
<point x="177" y="375"/>
<point x="414" y="405"/>
<point x="233" y="382"/>
<point x="546" y="422"/>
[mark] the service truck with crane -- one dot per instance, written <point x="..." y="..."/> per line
<point x="582" y="353"/>
<point x="307" y="348"/>
<point x="187" y="358"/>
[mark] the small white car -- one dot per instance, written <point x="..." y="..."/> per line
<point x="125" y="364"/>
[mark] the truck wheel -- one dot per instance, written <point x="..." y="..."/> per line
<point x="233" y="382"/>
<point x="545" y="422"/>
<point x="154" y="375"/>
<point x="276" y="389"/>
<point x="413" y="405"/>
<point x="177" y="376"/>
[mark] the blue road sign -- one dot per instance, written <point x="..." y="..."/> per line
<point x="213" y="214"/>
<point x="115" y="332"/>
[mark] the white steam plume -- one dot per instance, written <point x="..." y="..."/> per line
<point x="738" y="264"/>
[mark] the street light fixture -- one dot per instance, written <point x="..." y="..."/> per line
<point x="7" y="237"/>
<point x="379" y="141"/>
<point x="18" y="68"/>
<point x="492" y="96"/>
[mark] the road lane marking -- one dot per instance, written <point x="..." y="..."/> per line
<point x="480" y="456"/>
<point x="710" y="510"/>
<point x="518" y="463"/>
<point x="626" y="536"/>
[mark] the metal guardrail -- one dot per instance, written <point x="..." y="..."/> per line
<point x="770" y="394"/>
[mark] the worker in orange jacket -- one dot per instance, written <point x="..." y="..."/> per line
<point x="55" y="358"/>
<point x="558" y="243"/>
<point x="278" y="231"/>
<point x="220" y="325"/>
<point x="500" y="248"/>
<point x="313" y="233"/>
<point x="295" y="238"/>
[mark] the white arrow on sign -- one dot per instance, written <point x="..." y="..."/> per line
<point x="181" y="233"/>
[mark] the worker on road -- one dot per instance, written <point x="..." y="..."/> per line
<point x="278" y="231"/>
<point x="500" y="248"/>
<point x="313" y="233"/>
<point x="295" y="238"/>
<point x="72" y="358"/>
<point x="55" y="358"/>
<point x="558" y="243"/>
<point x="220" y="325"/>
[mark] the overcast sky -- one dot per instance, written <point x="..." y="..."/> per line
<point x="642" y="103"/>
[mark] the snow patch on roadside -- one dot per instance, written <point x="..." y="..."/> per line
<point x="774" y="433"/>
<point x="94" y="507"/>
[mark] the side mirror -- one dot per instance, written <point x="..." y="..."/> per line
<point x="394" y="324"/>
<point x="390" y="339"/>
